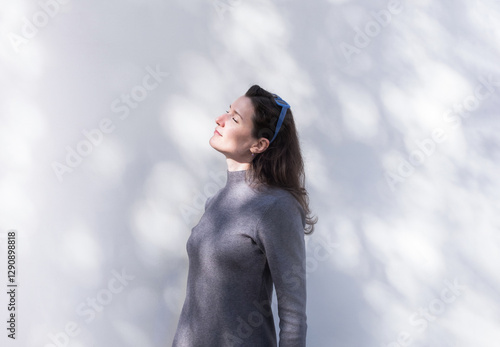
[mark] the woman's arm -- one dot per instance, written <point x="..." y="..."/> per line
<point x="281" y="233"/>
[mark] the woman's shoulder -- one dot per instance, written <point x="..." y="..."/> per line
<point x="280" y="215"/>
<point x="279" y="200"/>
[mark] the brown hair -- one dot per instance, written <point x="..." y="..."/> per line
<point x="281" y="164"/>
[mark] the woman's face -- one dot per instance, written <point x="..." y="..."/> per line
<point x="233" y="134"/>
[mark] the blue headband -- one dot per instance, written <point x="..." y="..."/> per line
<point x="284" y="108"/>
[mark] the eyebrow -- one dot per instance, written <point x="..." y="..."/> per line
<point x="237" y="112"/>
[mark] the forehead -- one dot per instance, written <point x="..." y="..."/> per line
<point x="243" y="105"/>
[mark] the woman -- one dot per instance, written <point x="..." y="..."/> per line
<point x="251" y="235"/>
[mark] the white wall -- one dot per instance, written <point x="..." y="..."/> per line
<point x="397" y="122"/>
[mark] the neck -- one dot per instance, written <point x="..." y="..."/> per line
<point x="233" y="165"/>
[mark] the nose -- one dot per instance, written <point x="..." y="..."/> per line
<point x="220" y="120"/>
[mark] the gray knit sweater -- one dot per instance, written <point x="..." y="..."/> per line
<point x="246" y="241"/>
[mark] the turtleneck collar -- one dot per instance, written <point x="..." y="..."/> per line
<point x="234" y="177"/>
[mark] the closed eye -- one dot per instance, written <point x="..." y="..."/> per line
<point x="232" y="117"/>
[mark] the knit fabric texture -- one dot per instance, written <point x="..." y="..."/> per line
<point x="247" y="240"/>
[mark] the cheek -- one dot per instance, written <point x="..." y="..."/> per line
<point x="236" y="131"/>
<point x="242" y="136"/>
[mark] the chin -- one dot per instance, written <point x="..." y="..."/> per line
<point x="214" y="146"/>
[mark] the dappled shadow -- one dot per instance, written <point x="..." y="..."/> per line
<point x="403" y="184"/>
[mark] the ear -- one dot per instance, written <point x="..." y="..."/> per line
<point x="261" y="145"/>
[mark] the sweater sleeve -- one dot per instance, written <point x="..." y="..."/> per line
<point x="281" y="236"/>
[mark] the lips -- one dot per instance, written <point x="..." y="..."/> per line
<point x="216" y="132"/>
